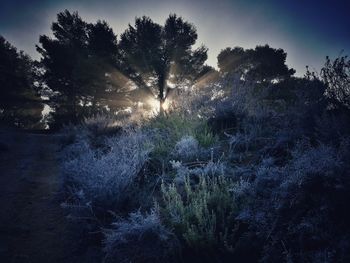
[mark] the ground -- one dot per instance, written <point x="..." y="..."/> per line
<point x="33" y="227"/>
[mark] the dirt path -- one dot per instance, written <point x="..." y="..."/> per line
<point x="33" y="228"/>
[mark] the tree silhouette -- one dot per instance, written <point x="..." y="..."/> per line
<point x="88" y="70"/>
<point x="233" y="60"/>
<point x="76" y="62"/>
<point x="154" y="56"/>
<point x="19" y="100"/>
<point x="263" y="64"/>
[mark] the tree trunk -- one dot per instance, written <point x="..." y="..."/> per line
<point x="161" y="106"/>
<point x="161" y="84"/>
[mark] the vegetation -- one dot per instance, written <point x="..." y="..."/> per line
<point x="19" y="102"/>
<point x="77" y="65"/>
<point x="267" y="183"/>
<point x="261" y="64"/>
<point x="156" y="56"/>
<point x="250" y="165"/>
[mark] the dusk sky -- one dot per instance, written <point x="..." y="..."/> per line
<point x="306" y="30"/>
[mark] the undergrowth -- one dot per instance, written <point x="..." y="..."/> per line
<point x="254" y="174"/>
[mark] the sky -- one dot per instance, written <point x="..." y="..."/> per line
<point x="307" y="30"/>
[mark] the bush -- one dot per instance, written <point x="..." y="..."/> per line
<point x="105" y="175"/>
<point x="202" y="214"/>
<point x="187" y="148"/>
<point x="336" y="75"/>
<point x="205" y="136"/>
<point x="169" y="130"/>
<point x="140" y="238"/>
<point x="298" y="208"/>
<point x="274" y="189"/>
<point x="101" y="124"/>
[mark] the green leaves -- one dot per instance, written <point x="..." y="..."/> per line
<point x="202" y="213"/>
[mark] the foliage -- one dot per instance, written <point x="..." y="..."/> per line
<point x="170" y="129"/>
<point x="101" y="125"/>
<point x="152" y="55"/>
<point x="88" y="71"/>
<point x="336" y="76"/>
<point x="140" y="238"/>
<point x="240" y="171"/>
<point x="202" y="213"/>
<point x="187" y="148"/>
<point x="20" y="103"/>
<point x="248" y="164"/>
<point x="261" y="64"/>
<point x="105" y="174"/>
<point x="205" y="136"/>
<point x="77" y="63"/>
<point x="296" y="207"/>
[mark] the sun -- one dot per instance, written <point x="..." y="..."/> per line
<point x="155" y="105"/>
<point x="166" y="105"/>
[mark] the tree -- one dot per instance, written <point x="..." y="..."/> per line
<point x="233" y="60"/>
<point x="76" y="63"/>
<point x="156" y="57"/>
<point x="262" y="64"/>
<point x="19" y="100"/>
<point x="60" y="56"/>
<point x="93" y="70"/>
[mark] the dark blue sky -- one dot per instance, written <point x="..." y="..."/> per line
<point x="307" y="30"/>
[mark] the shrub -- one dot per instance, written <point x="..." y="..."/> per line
<point x="205" y="136"/>
<point x="298" y="208"/>
<point x="264" y="196"/>
<point x="104" y="175"/>
<point x="177" y="125"/>
<point x="202" y="215"/>
<point x="169" y="130"/>
<point x="187" y="148"/>
<point x="101" y="124"/>
<point x="140" y="238"/>
<point x="336" y="75"/>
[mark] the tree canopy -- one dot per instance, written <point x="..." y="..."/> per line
<point x="90" y="70"/>
<point x="263" y="63"/>
<point x="17" y="77"/>
<point x="156" y="56"/>
<point x="76" y="62"/>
